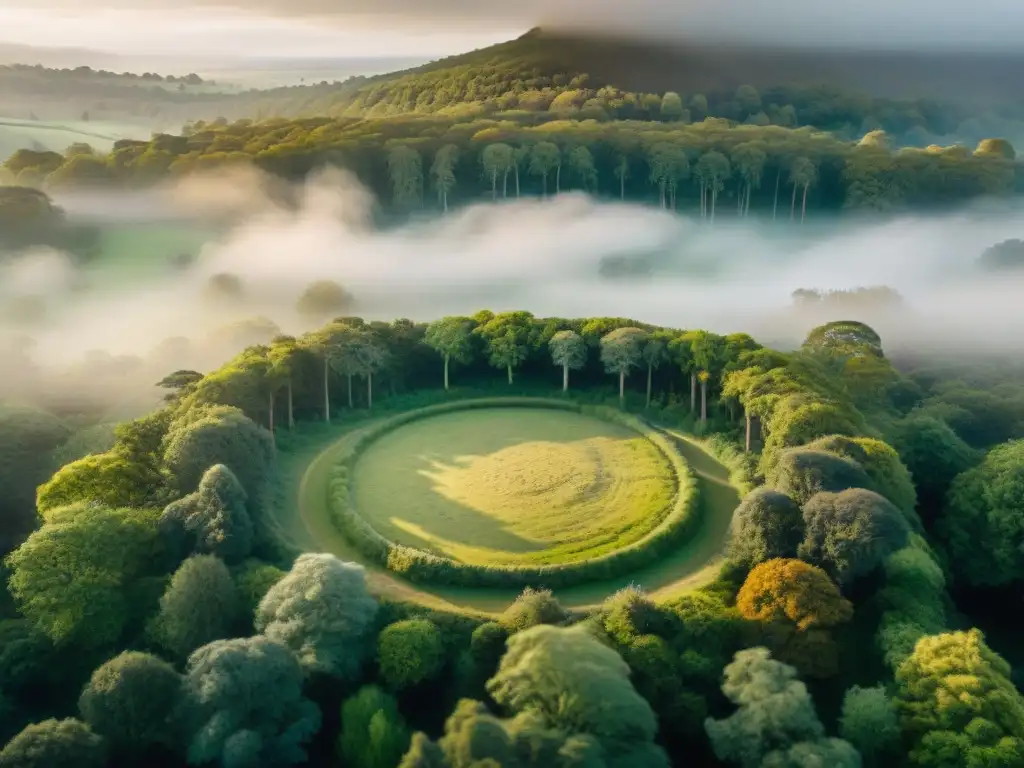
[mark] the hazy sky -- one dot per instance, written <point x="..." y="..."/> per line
<point x="321" y="28"/>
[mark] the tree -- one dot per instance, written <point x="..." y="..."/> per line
<point x="133" y="702"/>
<point x="509" y="337"/>
<point x="244" y="699"/>
<point x="621" y="352"/>
<point x="570" y="352"/>
<point x="669" y="165"/>
<point x="749" y="99"/>
<point x="201" y="605"/>
<point x="323" y="612"/>
<point x="443" y="171"/>
<point x="452" y="338"/>
<point x="254" y="578"/>
<point x="405" y="167"/>
<point x="775" y="715"/>
<point x="851" y="533"/>
<point x="712" y="170"/>
<point x="581" y="163"/>
<point x="212" y="520"/>
<point x="869" y="723"/>
<point x="497" y="159"/>
<point x="671" y="107"/>
<point x="983" y="519"/>
<point x="410" y="652"/>
<point x="55" y="744"/>
<point x="706" y="354"/>
<point x="655" y="352"/>
<point x="71" y="577"/>
<point x="934" y="454"/>
<point x="283" y="358"/>
<point x="801" y="473"/>
<point x="796" y="604"/>
<point x="748" y="159"/>
<point x="621" y="171"/>
<point x="353" y="351"/>
<point x="682" y="350"/>
<point x="957" y="705"/>
<point x="373" y="731"/>
<point x="519" y="156"/>
<point x="323" y="299"/>
<point x="803" y="173"/>
<point x="423" y="753"/>
<point x="111" y="479"/>
<point x="576" y="684"/>
<point x="768" y="525"/>
<point x="544" y="158"/>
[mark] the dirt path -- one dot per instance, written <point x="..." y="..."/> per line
<point x="303" y="520"/>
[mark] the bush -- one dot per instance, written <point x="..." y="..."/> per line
<point x="768" y="524"/>
<point x="410" y="652"/>
<point x="200" y="605"/>
<point x="55" y="744"/>
<point x="254" y="578"/>
<point x="531" y="608"/>
<point x="487" y="644"/>
<point x="373" y="731"/>
<point x="213" y="520"/>
<point x="800" y="473"/>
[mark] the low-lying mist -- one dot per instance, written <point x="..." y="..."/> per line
<point x="571" y="256"/>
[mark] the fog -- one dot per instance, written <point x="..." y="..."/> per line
<point x="548" y="257"/>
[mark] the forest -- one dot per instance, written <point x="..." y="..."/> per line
<point x="154" y="616"/>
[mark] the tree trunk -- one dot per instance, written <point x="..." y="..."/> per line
<point x="714" y="202"/>
<point x="327" y="392"/>
<point x="270" y="412"/>
<point x="544" y="181"/>
<point x="350" y="391"/>
<point x="510" y="375"/>
<point x="446" y="372"/>
<point x="664" y="197"/>
<point x="517" y="181"/>
<point x="775" y="205"/>
<point x="291" y="407"/>
<point x="803" y="207"/>
<point x="622" y="187"/>
<point x="558" y="179"/>
<point x="672" y="194"/>
<point x="703" y="402"/>
<point x="444" y="199"/>
<point x="369" y="390"/>
<point x="494" y="185"/>
<point x="504" y="185"/>
<point x="622" y="389"/>
<point x="746" y="208"/>
<point x="693" y="393"/>
<point x="746" y="411"/>
<point x="792" y="207"/>
<point x="650" y="369"/>
<point x="565" y="378"/>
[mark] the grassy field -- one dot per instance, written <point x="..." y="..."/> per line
<point x="303" y="522"/>
<point x="513" y="486"/>
<point x="18" y="134"/>
<point x="143" y="250"/>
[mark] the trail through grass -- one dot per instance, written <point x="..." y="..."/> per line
<point x="302" y="519"/>
<point x="513" y="486"/>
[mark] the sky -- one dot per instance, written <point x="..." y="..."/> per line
<point x="340" y="28"/>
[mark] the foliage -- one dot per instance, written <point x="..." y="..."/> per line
<point x="322" y="611"/>
<point x="934" y="454"/>
<point x="212" y="520"/>
<point x="532" y="608"/>
<point x="373" y="731"/>
<point x="410" y="652"/>
<point x="803" y="472"/>
<point x="71" y="577"/>
<point x="850" y="534"/>
<point x="133" y="702"/>
<point x="768" y="524"/>
<point x="111" y="479"/>
<point x="983" y="520"/>
<point x="254" y="578"/>
<point x="200" y="605"/>
<point x="324" y="299"/>
<point x="956" y="703"/>
<point x="869" y="723"/>
<point x="245" y="705"/>
<point x="55" y="744"/>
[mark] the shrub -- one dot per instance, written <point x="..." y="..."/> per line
<point x="533" y="607"/>
<point x="373" y="731"/>
<point x="200" y="605"/>
<point x="768" y="524"/>
<point x="213" y="520"/>
<point x="55" y="744"/>
<point x="410" y="652"/>
<point x="801" y="473"/>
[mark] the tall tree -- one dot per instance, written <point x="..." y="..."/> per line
<point x="509" y="337"/>
<point x="621" y="352"/>
<point x="545" y="158"/>
<point x="669" y="165"/>
<point x="443" y="171"/>
<point x="569" y="351"/>
<point x="405" y="166"/>
<point x="748" y="159"/>
<point x="712" y="171"/>
<point x="283" y="357"/>
<point x="325" y="344"/>
<point x="655" y="352"/>
<point x="622" y="172"/>
<point x="707" y="351"/>
<point x="581" y="162"/>
<point x="496" y="160"/>
<point x="803" y="174"/>
<point x="519" y="156"/>
<point x="452" y="338"/>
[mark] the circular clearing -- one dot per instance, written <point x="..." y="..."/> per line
<point x="513" y="486"/>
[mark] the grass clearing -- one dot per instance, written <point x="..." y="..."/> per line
<point x="513" y="486"/>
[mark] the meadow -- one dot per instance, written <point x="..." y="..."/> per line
<point x="513" y="486"/>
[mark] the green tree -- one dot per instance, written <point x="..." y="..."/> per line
<point x="622" y="351"/>
<point x="655" y="352"/>
<point x="768" y="524"/>
<point x="569" y="351"/>
<point x="55" y="744"/>
<point x="213" y="520"/>
<point x="748" y="160"/>
<point x="803" y="173"/>
<point x="509" y="338"/>
<point x="373" y="731"/>
<point x="443" y="172"/>
<point x="934" y="454"/>
<point x="532" y="608"/>
<point x="669" y="165"/>
<point x="410" y="652"/>
<point x="869" y="723"/>
<point x="405" y="167"/>
<point x="712" y="170"/>
<point x="323" y="612"/>
<point x="671" y="107"/>
<point x="452" y="338"/>
<point x="133" y="702"/>
<point x="201" y="605"/>
<point x="111" y="479"/>
<point x="284" y="359"/>
<point x="245" y="703"/>
<point x="581" y="163"/>
<point x="545" y="158"/>
<point x="497" y="159"/>
<point x="801" y="473"/>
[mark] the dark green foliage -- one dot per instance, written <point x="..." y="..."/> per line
<point x="980" y="417"/>
<point x="869" y="723"/>
<point x="802" y="472"/>
<point x="220" y="435"/>
<point x="72" y="577"/>
<point x="27" y="440"/>
<point x="934" y="454"/>
<point x="133" y="702"/>
<point x="983" y="520"/>
<point x="423" y="753"/>
<point x="25" y="656"/>
<point x="213" y="520"/>
<point x="768" y="524"/>
<point x="55" y="744"/>
<point x="373" y="731"/>
<point x="254" y="578"/>
<point x="849" y="534"/>
<point x="533" y="607"/>
<point x="200" y="605"/>
<point x="323" y="612"/>
<point x="245" y="705"/>
<point x="410" y="652"/>
<point x="487" y="644"/>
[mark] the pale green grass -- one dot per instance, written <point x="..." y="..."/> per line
<point x="513" y="486"/>
<point x="57" y="136"/>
